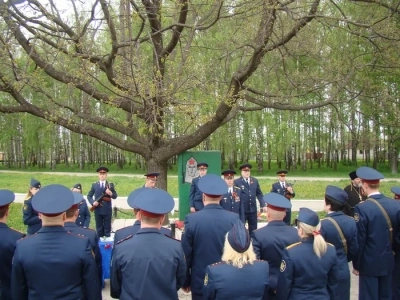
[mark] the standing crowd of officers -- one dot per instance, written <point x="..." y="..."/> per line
<point x="218" y="257"/>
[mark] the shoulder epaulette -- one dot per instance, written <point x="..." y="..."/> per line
<point x="258" y="229"/>
<point x="218" y="264"/>
<point x="172" y="238"/>
<point x="330" y="244"/>
<point x="76" y="234"/>
<point x="292" y="245"/>
<point x="127" y="238"/>
<point x="236" y="187"/>
<point x="87" y="228"/>
<point x="17" y="231"/>
<point x="25" y="237"/>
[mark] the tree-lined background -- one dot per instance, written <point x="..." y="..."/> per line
<point x="299" y="84"/>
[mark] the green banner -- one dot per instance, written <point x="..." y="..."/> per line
<point x="187" y="170"/>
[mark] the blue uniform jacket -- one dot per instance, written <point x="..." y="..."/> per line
<point x="226" y="282"/>
<point x="375" y="252"/>
<point x="195" y="195"/>
<point x="94" y="242"/>
<point x="249" y="193"/>
<point x="148" y="265"/>
<point x="203" y="241"/>
<point x="269" y="242"/>
<point x="54" y="264"/>
<point x="8" y="240"/>
<point x="95" y="191"/>
<point x="123" y="233"/>
<point x="229" y="203"/>
<point x="83" y="219"/>
<point x="277" y="188"/>
<point x="31" y="217"/>
<point x="304" y="276"/>
<point x="331" y="235"/>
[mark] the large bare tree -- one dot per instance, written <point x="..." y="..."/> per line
<point x="158" y="77"/>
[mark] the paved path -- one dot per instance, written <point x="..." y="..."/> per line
<point x="303" y="178"/>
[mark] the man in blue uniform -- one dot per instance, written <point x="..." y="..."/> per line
<point x="250" y="190"/>
<point x="70" y="225"/>
<point x="8" y="240"/>
<point x="231" y="200"/>
<point x="148" y="265"/>
<point x="286" y="190"/>
<point x="30" y="216"/>
<point x="195" y="195"/>
<point x="396" y="272"/>
<point x="239" y="275"/>
<point x="53" y="263"/>
<point x="151" y="180"/>
<point x="103" y="191"/>
<point x="270" y="240"/>
<point x="341" y="231"/>
<point x="377" y="220"/>
<point x="123" y="233"/>
<point x="204" y="233"/>
<point x="83" y="219"/>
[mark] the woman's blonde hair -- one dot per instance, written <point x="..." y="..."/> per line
<point x="319" y="245"/>
<point x="236" y="259"/>
<point x="29" y="194"/>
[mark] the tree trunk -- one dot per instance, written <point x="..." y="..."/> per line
<point x="154" y="165"/>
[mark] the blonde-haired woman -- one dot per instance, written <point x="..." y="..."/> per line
<point x="308" y="268"/>
<point x="240" y="275"/>
<point x="30" y="216"/>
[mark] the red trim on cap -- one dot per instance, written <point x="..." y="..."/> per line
<point x="282" y="174"/>
<point x="245" y="169"/>
<point x="75" y="206"/>
<point x="229" y="174"/>
<point x="276" y="207"/>
<point x="376" y="181"/>
<point x="149" y="214"/>
<point x="212" y="196"/>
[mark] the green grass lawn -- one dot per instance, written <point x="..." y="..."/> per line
<point x="19" y="183"/>
<point x="15" y="217"/>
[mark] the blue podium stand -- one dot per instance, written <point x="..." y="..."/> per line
<point x="106" y="252"/>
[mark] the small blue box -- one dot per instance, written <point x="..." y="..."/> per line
<point x="106" y="252"/>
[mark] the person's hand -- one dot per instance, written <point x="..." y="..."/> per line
<point x="108" y="192"/>
<point x="290" y="189"/>
<point x="264" y="209"/>
<point x="186" y="289"/>
<point x="355" y="272"/>
<point x="192" y="210"/>
<point x="95" y="203"/>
